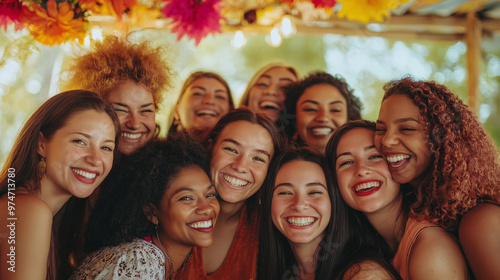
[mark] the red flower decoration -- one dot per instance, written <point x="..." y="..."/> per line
<point x="10" y="11"/>
<point x="324" y="3"/>
<point x="193" y="18"/>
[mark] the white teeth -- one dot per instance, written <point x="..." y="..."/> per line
<point x="303" y="221"/>
<point x="235" y="182"/>
<point x="131" y="135"/>
<point x="269" y="105"/>
<point x="206" y="112"/>
<point x="85" y="174"/>
<point x="202" y="224"/>
<point x="397" y="158"/>
<point x="322" y="130"/>
<point x="366" y="186"/>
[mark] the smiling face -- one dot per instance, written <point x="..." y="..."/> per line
<point x="362" y="174"/>
<point x="203" y="103"/>
<point x="188" y="210"/>
<point x="266" y="95"/>
<point x="79" y="155"/>
<point x="240" y="159"/>
<point x="301" y="207"/>
<point x="401" y="139"/>
<point x="320" y="110"/>
<point x="135" y="108"/>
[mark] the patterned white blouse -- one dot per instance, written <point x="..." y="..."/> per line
<point x="138" y="259"/>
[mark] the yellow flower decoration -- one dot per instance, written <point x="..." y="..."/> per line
<point x="95" y="6"/>
<point x="55" y="25"/>
<point x="367" y="10"/>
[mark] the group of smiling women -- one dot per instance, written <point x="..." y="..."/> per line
<point x="291" y="185"/>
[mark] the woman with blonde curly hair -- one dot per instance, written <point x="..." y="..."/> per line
<point x="132" y="78"/>
<point x="435" y="143"/>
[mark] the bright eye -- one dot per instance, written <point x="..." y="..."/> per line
<point x="335" y="111"/>
<point x="221" y="97"/>
<point x="262" y="85"/>
<point x="212" y="194"/>
<point x="407" y="129"/>
<point x="231" y="150"/>
<point x="259" y="159"/>
<point x="284" y="193"/>
<point x="78" y="141"/>
<point x="316" y="192"/>
<point x="345" y="163"/>
<point x="147" y="111"/>
<point x="376" y="156"/>
<point x="309" y="110"/>
<point x="186" y="198"/>
<point x="120" y="110"/>
<point x="107" y="149"/>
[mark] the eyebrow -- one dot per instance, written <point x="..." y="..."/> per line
<point x="312" y="184"/>
<point x="126" y="106"/>
<point x="90" y="137"/>
<point x="402" y="120"/>
<point x="188" y="189"/>
<point x="349" y="153"/>
<point x="317" y="103"/>
<point x="239" y="145"/>
<point x="281" y="79"/>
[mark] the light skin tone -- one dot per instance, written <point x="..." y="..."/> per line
<point x="203" y="104"/>
<point x="435" y="254"/>
<point x="186" y="215"/>
<point x="78" y="157"/>
<point x="135" y="108"/>
<point x="400" y="137"/>
<point x="239" y="163"/>
<point x="320" y="110"/>
<point x="301" y="210"/>
<point x="266" y="95"/>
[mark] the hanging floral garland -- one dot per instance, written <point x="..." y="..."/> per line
<point x="53" y="22"/>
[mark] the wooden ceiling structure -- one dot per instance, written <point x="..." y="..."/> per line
<point x="471" y="21"/>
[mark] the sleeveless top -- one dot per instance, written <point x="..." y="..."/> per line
<point x="241" y="260"/>
<point x="402" y="256"/>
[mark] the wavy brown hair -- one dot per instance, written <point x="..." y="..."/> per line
<point x="115" y="61"/>
<point x="465" y="167"/>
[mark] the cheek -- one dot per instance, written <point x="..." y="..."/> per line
<point x="276" y="210"/>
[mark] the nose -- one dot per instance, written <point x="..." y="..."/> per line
<point x="204" y="207"/>
<point x="389" y="139"/>
<point x="209" y="98"/>
<point x="300" y="203"/>
<point x="362" y="169"/>
<point x="94" y="156"/>
<point x="322" y="116"/>
<point x="239" y="164"/>
<point x="133" y="121"/>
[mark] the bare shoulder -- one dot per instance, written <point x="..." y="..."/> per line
<point x="436" y="255"/>
<point x="478" y="232"/>
<point x="368" y="270"/>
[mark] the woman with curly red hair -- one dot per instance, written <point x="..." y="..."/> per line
<point x="433" y="142"/>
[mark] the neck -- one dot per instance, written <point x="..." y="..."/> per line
<point x="55" y="199"/>
<point x="390" y="222"/>
<point x="229" y="211"/>
<point x="175" y="253"/>
<point x="305" y="254"/>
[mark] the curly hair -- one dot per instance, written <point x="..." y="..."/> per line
<point x="120" y="211"/>
<point x="294" y="91"/>
<point x="114" y="61"/>
<point x="465" y="168"/>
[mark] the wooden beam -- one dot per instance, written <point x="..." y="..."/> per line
<point x="473" y="37"/>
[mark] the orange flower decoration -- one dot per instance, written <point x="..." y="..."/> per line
<point x="95" y="6"/>
<point x="55" y="25"/>
<point x="367" y="10"/>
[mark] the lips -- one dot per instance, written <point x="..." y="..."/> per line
<point x="235" y="182"/>
<point x="83" y="176"/>
<point x="300" y="221"/>
<point x="396" y="161"/>
<point x="203" y="225"/>
<point x="366" y="188"/>
<point x="131" y="136"/>
<point x="206" y="112"/>
<point x="270" y="105"/>
<point x="321" y="131"/>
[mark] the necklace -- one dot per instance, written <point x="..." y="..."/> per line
<point x="170" y="266"/>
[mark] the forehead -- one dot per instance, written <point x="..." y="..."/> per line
<point x="192" y="177"/>
<point x="397" y="106"/>
<point x="205" y="81"/>
<point x="130" y="93"/>
<point x="248" y="134"/>
<point x="322" y="93"/>
<point x="279" y="73"/>
<point x="357" y="138"/>
<point x="300" y="167"/>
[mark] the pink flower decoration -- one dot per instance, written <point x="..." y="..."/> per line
<point x="10" y="10"/>
<point x="193" y="18"/>
<point x="324" y="3"/>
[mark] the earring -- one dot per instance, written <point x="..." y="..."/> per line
<point x="42" y="166"/>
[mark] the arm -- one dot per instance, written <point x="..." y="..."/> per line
<point x="367" y="270"/>
<point x="436" y="255"/>
<point x="32" y="232"/>
<point x="479" y="233"/>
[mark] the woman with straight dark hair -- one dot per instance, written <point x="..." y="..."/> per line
<point x="65" y="149"/>
<point x="308" y="232"/>
<point x="205" y="97"/>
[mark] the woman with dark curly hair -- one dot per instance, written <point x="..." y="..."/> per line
<point x="132" y="78"/>
<point x="365" y="183"/>
<point x="433" y="142"/>
<point x="205" y="98"/>
<point x="146" y="225"/>
<point x="307" y="230"/>
<point x="242" y="145"/>
<point x="321" y="103"/>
